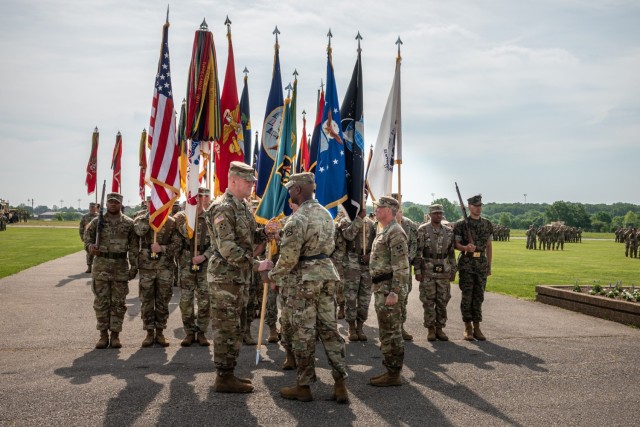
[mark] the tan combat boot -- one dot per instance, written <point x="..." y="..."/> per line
<point x="88" y="268"/>
<point x="441" y="335"/>
<point x="297" y="392"/>
<point x="148" y="340"/>
<point x="406" y="335"/>
<point x="353" y="333"/>
<point x="160" y="339"/>
<point x="226" y="382"/>
<point x="341" y="311"/>
<point x="340" y="394"/>
<point x="188" y="340"/>
<point x="477" y="333"/>
<point x="103" y="342"/>
<point x="290" y="361"/>
<point x="468" y="332"/>
<point x="202" y="339"/>
<point x="431" y="335"/>
<point x="361" y="335"/>
<point x="274" y="336"/>
<point x="388" y="379"/>
<point x="246" y="337"/>
<point x="115" y="340"/>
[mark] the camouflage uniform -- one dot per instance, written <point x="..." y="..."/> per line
<point x="112" y="268"/>
<point x="410" y="229"/>
<point x="307" y="242"/>
<point x="193" y="284"/>
<point x="473" y="267"/>
<point x="233" y="233"/>
<point x="338" y="257"/>
<point x="389" y="268"/>
<point x="435" y="262"/>
<point x="84" y="222"/>
<point x="357" y="279"/>
<point x="156" y="275"/>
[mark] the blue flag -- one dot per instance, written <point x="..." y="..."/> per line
<point x="270" y="127"/>
<point x="245" y="117"/>
<point x="274" y="200"/>
<point x="331" y="183"/>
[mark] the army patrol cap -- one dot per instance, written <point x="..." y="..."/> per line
<point x="114" y="196"/>
<point x="436" y="208"/>
<point x="475" y="200"/>
<point x="242" y="170"/>
<point x="300" y="178"/>
<point x="386" y="202"/>
<point x="93" y="205"/>
<point x="202" y="191"/>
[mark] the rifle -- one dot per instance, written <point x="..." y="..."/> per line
<point x="464" y="215"/>
<point x="100" y="216"/>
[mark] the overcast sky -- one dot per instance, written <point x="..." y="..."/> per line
<point x="505" y="97"/>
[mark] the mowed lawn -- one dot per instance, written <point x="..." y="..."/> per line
<point x="517" y="271"/>
<point x="23" y="247"/>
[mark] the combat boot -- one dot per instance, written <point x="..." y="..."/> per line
<point x="188" y="340"/>
<point x="289" y="361"/>
<point x="246" y="337"/>
<point x="88" y="268"/>
<point x="361" y="335"/>
<point x="202" y="339"/>
<point x="340" y="394"/>
<point x="431" y="336"/>
<point x="297" y="392"/>
<point x="103" y="342"/>
<point x="468" y="331"/>
<point x="148" y="340"/>
<point x="406" y="335"/>
<point x="341" y="311"/>
<point x="353" y="332"/>
<point x="226" y="382"/>
<point x="477" y="333"/>
<point x="441" y="335"/>
<point x="115" y="340"/>
<point x="388" y="379"/>
<point x="160" y="339"/>
<point x="274" y="336"/>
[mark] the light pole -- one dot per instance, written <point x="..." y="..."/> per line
<point x="525" y="198"/>
<point x="61" y="202"/>
<point x="78" y="204"/>
<point x="433" y="197"/>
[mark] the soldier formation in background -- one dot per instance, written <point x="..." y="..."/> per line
<point x="552" y="237"/>
<point x="317" y="269"/>
<point x="630" y="236"/>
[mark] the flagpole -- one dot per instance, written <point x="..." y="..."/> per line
<point x="96" y="190"/>
<point x="399" y="161"/>
<point x="263" y="308"/>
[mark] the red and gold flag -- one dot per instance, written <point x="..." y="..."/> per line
<point x="116" y="165"/>
<point x="92" y="166"/>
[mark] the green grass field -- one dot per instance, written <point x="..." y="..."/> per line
<point x="23" y="247"/>
<point x="517" y="271"/>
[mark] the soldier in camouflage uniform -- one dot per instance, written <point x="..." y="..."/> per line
<point x="633" y="243"/>
<point x="115" y="262"/>
<point x="410" y="228"/>
<point x="357" y="280"/>
<point x="474" y="265"/>
<point x="176" y="256"/>
<point x="233" y="233"/>
<point x="531" y="237"/>
<point x="435" y="268"/>
<point x="307" y="243"/>
<point x="193" y="275"/>
<point x="156" y="266"/>
<point x="248" y="314"/>
<point x="390" y="273"/>
<point x="84" y="222"/>
<point x="338" y="257"/>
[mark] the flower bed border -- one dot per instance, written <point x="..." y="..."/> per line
<point x="593" y="305"/>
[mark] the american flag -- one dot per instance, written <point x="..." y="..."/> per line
<point x="164" y="154"/>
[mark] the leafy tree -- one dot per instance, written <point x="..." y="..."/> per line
<point x="505" y="219"/>
<point x="415" y="213"/>
<point x="630" y="219"/>
<point x="616" y="222"/>
<point x="451" y="211"/>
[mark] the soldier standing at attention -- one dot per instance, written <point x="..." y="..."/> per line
<point x="390" y="273"/>
<point x="193" y="274"/>
<point x="84" y="222"/>
<point x="234" y="234"/>
<point x="435" y="268"/>
<point x="474" y="265"/>
<point x="305" y="249"/>
<point x="357" y="280"/>
<point x="156" y="268"/>
<point x="115" y="263"/>
<point x="410" y="228"/>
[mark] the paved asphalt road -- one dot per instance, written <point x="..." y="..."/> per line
<point x="541" y="366"/>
